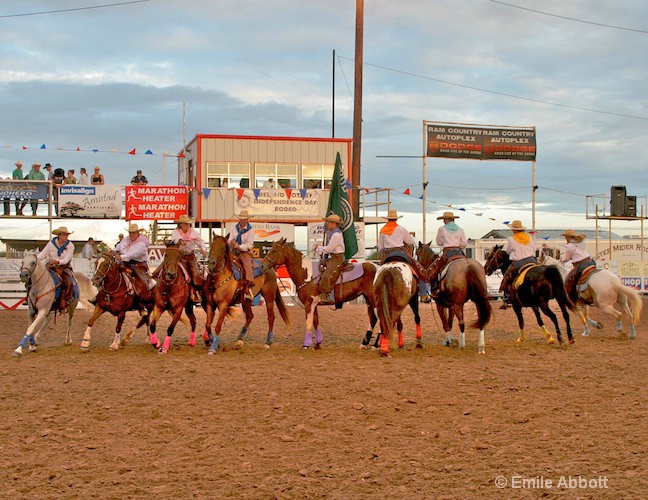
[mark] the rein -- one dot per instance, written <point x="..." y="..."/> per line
<point x="31" y="284"/>
<point x="104" y="275"/>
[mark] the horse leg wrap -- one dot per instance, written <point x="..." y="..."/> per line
<point x="419" y="332"/>
<point x="308" y="339"/>
<point x="25" y="339"/>
<point x="214" y="345"/>
<point x="318" y="336"/>
<point x="192" y="339"/>
<point x="243" y="333"/>
<point x="155" y="341"/>
<point x="270" y="338"/>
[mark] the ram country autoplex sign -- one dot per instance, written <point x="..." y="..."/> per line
<point x="480" y="142"/>
<point x="156" y="202"/>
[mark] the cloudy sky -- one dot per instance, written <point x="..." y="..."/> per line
<point x="115" y="78"/>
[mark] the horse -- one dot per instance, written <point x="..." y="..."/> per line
<point x="283" y="253"/>
<point x="221" y="291"/>
<point x="117" y="297"/>
<point x="534" y="288"/>
<point x="463" y="280"/>
<point x="41" y="300"/>
<point x="395" y="286"/>
<point x="605" y="290"/>
<point x="172" y="293"/>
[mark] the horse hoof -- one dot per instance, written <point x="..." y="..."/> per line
<point x="551" y="341"/>
<point x="163" y="350"/>
<point x="240" y="343"/>
<point x="211" y="353"/>
<point x="305" y="348"/>
<point x="401" y="346"/>
<point x="385" y="354"/>
<point x="33" y="348"/>
<point x="68" y="342"/>
<point x="113" y="347"/>
<point x="571" y="341"/>
<point x="192" y="343"/>
<point x="17" y="354"/>
<point x="419" y="344"/>
<point x="318" y="347"/>
<point x="520" y="341"/>
<point x="362" y="346"/>
<point x="598" y="325"/>
<point x="481" y="351"/>
<point x="266" y="346"/>
<point x="85" y="345"/>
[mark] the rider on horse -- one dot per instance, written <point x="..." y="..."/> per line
<point x="332" y="255"/>
<point x="241" y="239"/>
<point x="396" y="244"/>
<point x="59" y="251"/>
<point x="521" y="250"/>
<point x="192" y="243"/>
<point x="133" y="252"/>
<point x="581" y="259"/>
<point x="452" y="240"/>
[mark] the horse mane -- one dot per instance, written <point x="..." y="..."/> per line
<point x="299" y="269"/>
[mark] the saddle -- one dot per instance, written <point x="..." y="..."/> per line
<point x="237" y="268"/>
<point x="587" y="273"/>
<point x="522" y="273"/>
<point x="445" y="268"/>
<point x="57" y="276"/>
<point x="350" y="272"/>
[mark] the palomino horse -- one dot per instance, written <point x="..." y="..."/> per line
<point x="463" y="280"/>
<point x="221" y="291"/>
<point x="172" y="293"/>
<point x="538" y="286"/>
<point x="283" y="253"/>
<point x="394" y="287"/>
<point x="605" y="290"/>
<point x="115" y="296"/>
<point x="41" y="300"/>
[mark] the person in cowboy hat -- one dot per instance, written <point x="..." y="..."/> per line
<point x="192" y="242"/>
<point x="521" y="250"/>
<point x="133" y="252"/>
<point x="396" y="244"/>
<point x="241" y="239"/>
<point x="580" y="258"/>
<point x="332" y="255"/>
<point x="59" y="252"/>
<point x="452" y="241"/>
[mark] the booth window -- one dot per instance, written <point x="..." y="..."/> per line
<point x="277" y="175"/>
<point x="228" y="174"/>
<point x="317" y="176"/>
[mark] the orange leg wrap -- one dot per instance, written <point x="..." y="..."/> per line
<point x="419" y="332"/>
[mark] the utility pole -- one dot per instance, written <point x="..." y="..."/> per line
<point x="357" y="108"/>
<point x="333" y="100"/>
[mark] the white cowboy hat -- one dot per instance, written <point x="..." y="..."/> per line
<point x="184" y="219"/>
<point x="570" y="234"/>
<point x="244" y="215"/>
<point x="18" y="163"/>
<point x="62" y="230"/>
<point x="392" y="215"/>
<point x="334" y="218"/>
<point x="516" y="225"/>
<point x="134" y="228"/>
<point x="448" y="216"/>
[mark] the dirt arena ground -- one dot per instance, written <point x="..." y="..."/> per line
<point x="521" y="421"/>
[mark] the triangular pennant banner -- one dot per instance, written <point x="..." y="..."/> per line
<point x="462" y="209"/>
<point x="239" y="193"/>
<point x="78" y="149"/>
<point x="407" y="191"/>
<point x="256" y="193"/>
<point x="148" y="152"/>
<point x="95" y="150"/>
<point x="43" y="146"/>
<point x="207" y="192"/>
<point x="132" y="152"/>
<point x="348" y="184"/>
<point x="222" y="192"/>
<point x="24" y="147"/>
<point x="421" y="197"/>
<point x="506" y="222"/>
<point x="303" y="193"/>
<point x="181" y="155"/>
<point x="288" y="193"/>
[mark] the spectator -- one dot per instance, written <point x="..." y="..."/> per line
<point x="83" y="176"/>
<point x="97" y="179"/>
<point x="121" y="237"/>
<point x="18" y="175"/>
<point x="58" y="179"/>
<point x="88" y="251"/>
<point x="7" y="203"/>
<point x="269" y="184"/>
<point x="70" y="179"/>
<point x="34" y="174"/>
<point x="139" y="179"/>
<point x="50" y="171"/>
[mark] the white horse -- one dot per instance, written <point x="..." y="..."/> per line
<point x="606" y="290"/>
<point x="41" y="295"/>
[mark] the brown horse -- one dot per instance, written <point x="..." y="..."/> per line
<point x="222" y="290"/>
<point x="172" y="293"/>
<point x="283" y="253"/>
<point x="116" y="297"/>
<point x="463" y="280"/>
<point x="539" y="285"/>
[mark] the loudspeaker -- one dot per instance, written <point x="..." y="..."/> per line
<point x="618" y="201"/>
<point x="631" y="206"/>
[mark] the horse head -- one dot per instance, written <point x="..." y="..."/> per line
<point x="496" y="258"/>
<point x="171" y="261"/>
<point x="425" y="255"/>
<point x="276" y="256"/>
<point x="219" y="251"/>
<point x="27" y="266"/>
<point x="105" y="266"/>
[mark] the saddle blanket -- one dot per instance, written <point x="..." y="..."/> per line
<point x="353" y="274"/>
<point x="405" y="270"/>
<point x="523" y="271"/>
<point x="581" y="286"/>
<point x="256" y="269"/>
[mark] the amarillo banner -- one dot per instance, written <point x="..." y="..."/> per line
<point x="156" y="202"/>
<point x="480" y="142"/>
<point x="97" y="202"/>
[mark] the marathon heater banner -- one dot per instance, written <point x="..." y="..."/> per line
<point x="480" y="142"/>
<point x="156" y="202"/>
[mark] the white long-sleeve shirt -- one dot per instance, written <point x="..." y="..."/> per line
<point x="398" y="238"/>
<point x="446" y="239"/>
<point x="191" y="238"/>
<point x="136" y="250"/>
<point x="575" y="253"/>
<point x="247" y="239"/>
<point x="50" y="252"/>
<point x="335" y="244"/>
<point x="517" y="251"/>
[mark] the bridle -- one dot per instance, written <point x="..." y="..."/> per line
<point x="112" y="262"/>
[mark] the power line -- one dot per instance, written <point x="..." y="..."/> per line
<point x="568" y="18"/>
<point x="531" y="99"/>
<point x="73" y="9"/>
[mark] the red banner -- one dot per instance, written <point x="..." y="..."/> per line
<point x="156" y="202"/>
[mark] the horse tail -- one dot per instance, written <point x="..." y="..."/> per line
<point x="386" y="282"/>
<point x="281" y="305"/>
<point x="552" y="273"/>
<point x="636" y="304"/>
<point x="478" y="293"/>
<point x="86" y="289"/>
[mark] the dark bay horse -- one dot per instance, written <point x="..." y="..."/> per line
<point x="540" y="284"/>
<point x="222" y="290"/>
<point x="116" y="297"/>
<point x="172" y="293"/>
<point x="464" y="280"/>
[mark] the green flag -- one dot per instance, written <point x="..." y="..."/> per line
<point x="339" y="204"/>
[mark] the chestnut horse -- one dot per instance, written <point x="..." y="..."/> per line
<point x="463" y="280"/>
<point x="539" y="285"/>
<point x="283" y="253"/>
<point x="116" y="297"/>
<point x="222" y="290"/>
<point x="172" y="293"/>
